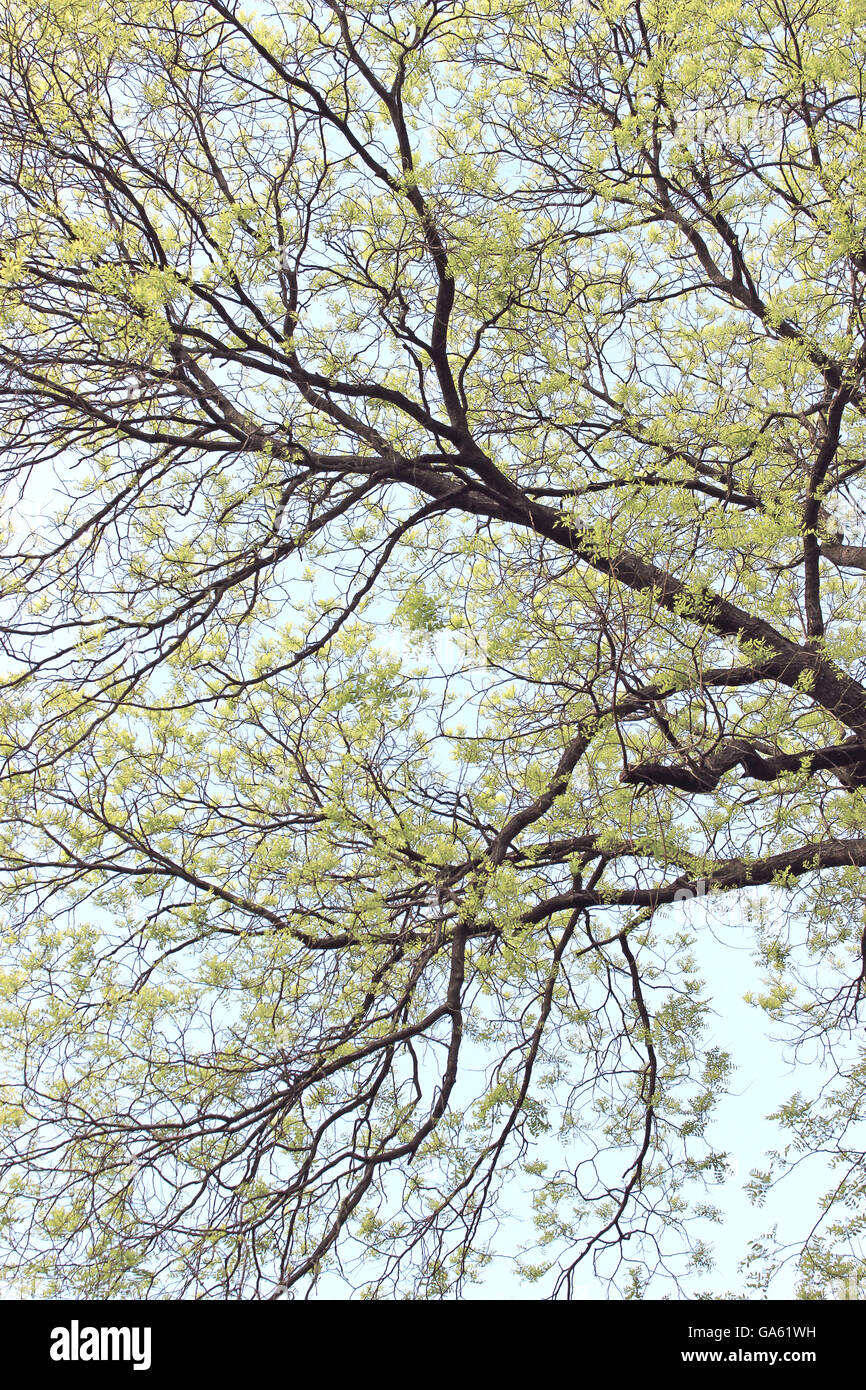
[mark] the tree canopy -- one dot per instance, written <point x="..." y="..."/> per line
<point x="435" y="547"/>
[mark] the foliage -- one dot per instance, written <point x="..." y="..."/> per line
<point x="446" y="421"/>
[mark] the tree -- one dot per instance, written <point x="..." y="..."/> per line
<point x="447" y="422"/>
